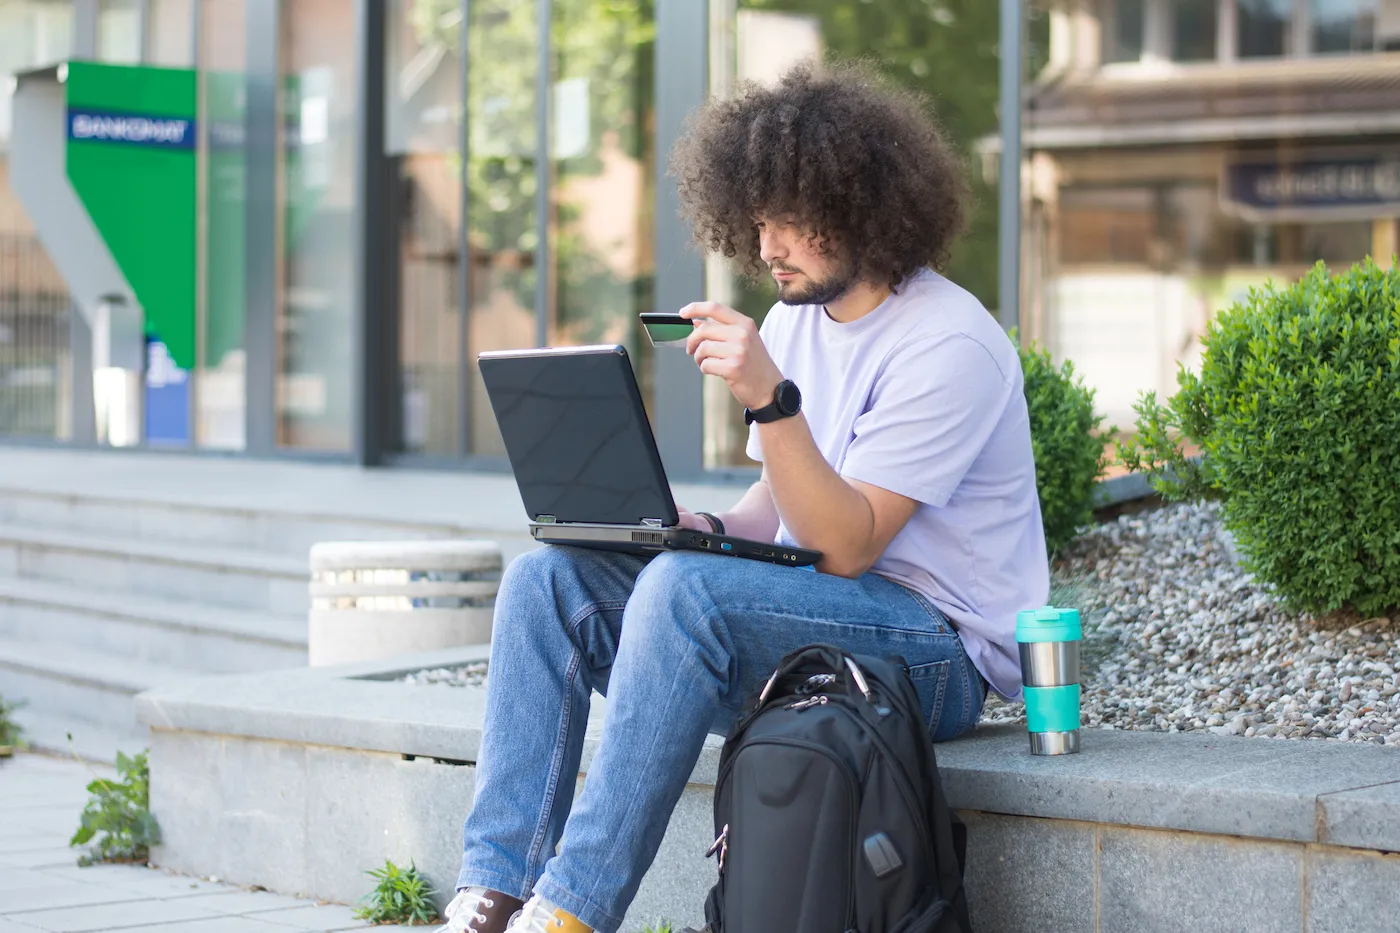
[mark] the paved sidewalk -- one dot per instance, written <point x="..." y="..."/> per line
<point x="42" y="889"/>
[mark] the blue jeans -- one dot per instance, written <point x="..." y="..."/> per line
<point x="677" y="644"/>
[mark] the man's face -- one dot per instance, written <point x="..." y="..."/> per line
<point x="805" y="275"/>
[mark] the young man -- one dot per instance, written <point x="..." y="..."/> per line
<point x="888" y="413"/>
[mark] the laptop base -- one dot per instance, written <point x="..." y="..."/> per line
<point x="633" y="539"/>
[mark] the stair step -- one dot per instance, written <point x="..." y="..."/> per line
<point x="61" y="681"/>
<point x="91" y="741"/>
<point x="218" y="576"/>
<point x="160" y="631"/>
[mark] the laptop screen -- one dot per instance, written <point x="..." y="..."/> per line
<point x="577" y="435"/>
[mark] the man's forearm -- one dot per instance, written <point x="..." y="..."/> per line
<point x="820" y="509"/>
<point x="754" y="516"/>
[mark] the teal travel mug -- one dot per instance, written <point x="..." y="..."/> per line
<point x="1049" y="642"/>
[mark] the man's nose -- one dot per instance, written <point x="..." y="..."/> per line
<point x="770" y="246"/>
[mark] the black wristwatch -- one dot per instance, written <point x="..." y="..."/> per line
<point x="787" y="401"/>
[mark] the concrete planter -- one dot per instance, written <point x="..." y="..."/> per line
<point x="301" y="780"/>
<point x="374" y="600"/>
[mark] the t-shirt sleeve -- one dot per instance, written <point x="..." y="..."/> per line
<point x="769" y="331"/>
<point x="931" y="411"/>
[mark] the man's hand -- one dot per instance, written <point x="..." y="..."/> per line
<point x="692" y="521"/>
<point x="727" y="345"/>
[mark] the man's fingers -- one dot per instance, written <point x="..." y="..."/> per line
<point x="715" y="333"/>
<point x="715" y="350"/>
<point x="712" y="310"/>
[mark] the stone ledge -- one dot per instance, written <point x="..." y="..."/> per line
<point x="1322" y="792"/>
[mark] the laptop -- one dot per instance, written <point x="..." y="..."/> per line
<point x="585" y="458"/>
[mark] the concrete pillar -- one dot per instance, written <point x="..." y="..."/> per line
<point x="376" y="599"/>
<point x="1385" y="240"/>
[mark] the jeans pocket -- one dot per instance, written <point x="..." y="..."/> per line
<point x="931" y="682"/>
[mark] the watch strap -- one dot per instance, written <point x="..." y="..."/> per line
<point x="716" y="525"/>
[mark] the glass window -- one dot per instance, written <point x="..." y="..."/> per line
<point x="423" y="101"/>
<point x="1123" y="39"/>
<point x="314" y="395"/>
<point x="119" y="31"/>
<point x="220" y="380"/>
<point x="1343" y="26"/>
<point x="35" y="360"/>
<point x="1263" y="28"/>
<point x="170" y="33"/>
<point x="1193" y="30"/>
<point x="946" y="51"/>
<point x="503" y="60"/>
<point x="602" y="171"/>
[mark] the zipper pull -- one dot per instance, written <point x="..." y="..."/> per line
<point x="720" y="846"/>
<point x="800" y="705"/>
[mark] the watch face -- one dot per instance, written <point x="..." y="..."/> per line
<point x="789" y="399"/>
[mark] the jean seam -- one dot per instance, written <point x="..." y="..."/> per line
<point x="938" y="615"/>
<point x="589" y="609"/>
<point x="589" y="906"/>
<point x="556" y="767"/>
<point x="936" y="711"/>
<point x="492" y="882"/>
<point x="767" y="610"/>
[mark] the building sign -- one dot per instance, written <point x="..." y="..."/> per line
<point x="132" y="128"/>
<point x="1353" y="185"/>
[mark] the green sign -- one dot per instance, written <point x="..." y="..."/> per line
<point x="131" y="160"/>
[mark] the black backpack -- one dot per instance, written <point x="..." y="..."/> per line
<point x="829" y="817"/>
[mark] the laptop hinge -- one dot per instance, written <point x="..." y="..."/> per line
<point x="653" y="523"/>
<point x="545" y="519"/>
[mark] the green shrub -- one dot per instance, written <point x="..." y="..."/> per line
<point x="1069" y="450"/>
<point x="400" y="895"/>
<point x="118" y="814"/>
<point x="1297" y="412"/>
<point x="10" y="731"/>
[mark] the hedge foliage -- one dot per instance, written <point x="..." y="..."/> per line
<point x="1297" y="412"/>
<point x="1069" y="450"/>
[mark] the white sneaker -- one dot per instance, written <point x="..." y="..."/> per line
<point x="540" y="916"/>
<point x="473" y="909"/>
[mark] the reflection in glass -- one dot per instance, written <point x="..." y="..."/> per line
<point x="1263" y="28"/>
<point x="500" y="193"/>
<point x="169" y="28"/>
<point x="1343" y="25"/>
<point x="220" y="381"/>
<point x="1124" y="41"/>
<point x="314" y="397"/>
<point x="1194" y="30"/>
<point x="36" y="380"/>
<point x="119" y="32"/>
<point x="423" y="103"/>
<point x="602" y="171"/>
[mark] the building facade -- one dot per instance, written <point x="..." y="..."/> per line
<point x="388" y="187"/>
<point x="1180" y="152"/>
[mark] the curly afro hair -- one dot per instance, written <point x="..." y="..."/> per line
<point x="861" y="165"/>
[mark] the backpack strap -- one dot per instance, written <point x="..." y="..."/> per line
<point x="950" y="843"/>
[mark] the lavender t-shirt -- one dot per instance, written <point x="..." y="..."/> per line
<point x="923" y="397"/>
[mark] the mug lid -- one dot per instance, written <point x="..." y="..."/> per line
<point x="1048" y="624"/>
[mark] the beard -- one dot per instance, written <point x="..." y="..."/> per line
<point x="809" y="291"/>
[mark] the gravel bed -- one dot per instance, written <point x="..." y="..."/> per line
<point x="470" y="675"/>
<point x="1179" y="639"/>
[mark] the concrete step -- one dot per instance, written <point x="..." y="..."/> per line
<point x="209" y="575"/>
<point x="268" y="529"/>
<point x="91" y="741"/>
<point x="189" y="636"/>
<point x="63" y="682"/>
